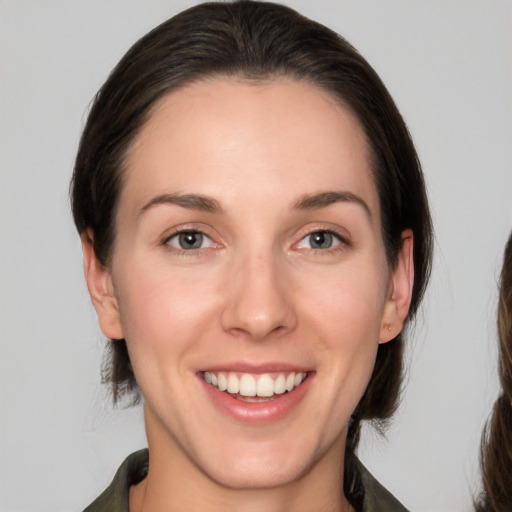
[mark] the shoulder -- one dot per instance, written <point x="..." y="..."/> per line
<point x="115" y="496"/>
<point x="376" y="497"/>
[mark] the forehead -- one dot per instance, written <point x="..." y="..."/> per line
<point x="236" y="136"/>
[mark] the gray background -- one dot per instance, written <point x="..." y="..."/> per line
<point x="449" y="67"/>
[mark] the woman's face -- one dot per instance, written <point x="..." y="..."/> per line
<point x="249" y="253"/>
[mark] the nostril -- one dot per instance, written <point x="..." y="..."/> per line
<point x="258" y="333"/>
<point x="258" y="306"/>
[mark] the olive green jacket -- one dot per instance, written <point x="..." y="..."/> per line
<point x="135" y="468"/>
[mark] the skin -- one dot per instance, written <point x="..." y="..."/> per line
<point x="256" y="292"/>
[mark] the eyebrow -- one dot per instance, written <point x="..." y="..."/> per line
<point x="208" y="204"/>
<point x="189" y="201"/>
<point x="323" y="199"/>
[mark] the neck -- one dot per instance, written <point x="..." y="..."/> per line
<point x="150" y="496"/>
<point x="174" y="483"/>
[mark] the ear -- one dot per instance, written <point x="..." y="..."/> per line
<point x="399" y="292"/>
<point x="101" y="290"/>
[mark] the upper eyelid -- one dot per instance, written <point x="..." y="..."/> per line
<point x="211" y="242"/>
<point x="212" y="245"/>
<point x="166" y="238"/>
<point x="186" y="229"/>
<point x="339" y="232"/>
<point x="181" y="231"/>
<point x="335" y="234"/>
<point x="342" y="237"/>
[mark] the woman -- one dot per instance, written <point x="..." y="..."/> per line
<point x="256" y="236"/>
<point x="496" y="449"/>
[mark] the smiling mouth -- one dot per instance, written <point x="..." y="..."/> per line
<point x="255" y="388"/>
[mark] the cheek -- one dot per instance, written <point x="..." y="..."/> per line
<point x="348" y="314"/>
<point x="349" y="302"/>
<point x="351" y="325"/>
<point x="163" y="311"/>
<point x="348" y="351"/>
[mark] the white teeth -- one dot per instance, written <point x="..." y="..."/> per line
<point x="280" y="385"/>
<point x="290" y="382"/>
<point x="222" y="382"/>
<point x="233" y="384"/>
<point x="265" y="386"/>
<point x="249" y="385"/>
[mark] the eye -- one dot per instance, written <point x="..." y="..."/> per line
<point x="189" y="240"/>
<point x="320" y="240"/>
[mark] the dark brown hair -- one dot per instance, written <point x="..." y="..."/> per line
<point x="496" y="446"/>
<point x="255" y="40"/>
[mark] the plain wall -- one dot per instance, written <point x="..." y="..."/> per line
<point x="448" y="64"/>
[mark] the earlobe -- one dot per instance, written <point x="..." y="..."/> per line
<point x="101" y="290"/>
<point x="400" y="292"/>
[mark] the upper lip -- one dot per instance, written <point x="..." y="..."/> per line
<point x="256" y="368"/>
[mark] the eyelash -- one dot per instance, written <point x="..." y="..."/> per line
<point x="185" y="252"/>
<point x="342" y="242"/>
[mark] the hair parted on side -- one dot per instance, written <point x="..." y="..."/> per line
<point x="254" y="40"/>
<point x="496" y="445"/>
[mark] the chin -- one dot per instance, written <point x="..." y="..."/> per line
<point x="260" y="470"/>
<point x="253" y="477"/>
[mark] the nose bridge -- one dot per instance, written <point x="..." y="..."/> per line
<point x="258" y="304"/>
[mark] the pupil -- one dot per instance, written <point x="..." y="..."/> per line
<point x="321" y="240"/>
<point x="190" y="240"/>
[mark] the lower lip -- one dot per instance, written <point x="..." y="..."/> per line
<point x="258" y="412"/>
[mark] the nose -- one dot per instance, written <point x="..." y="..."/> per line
<point x="259" y="301"/>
